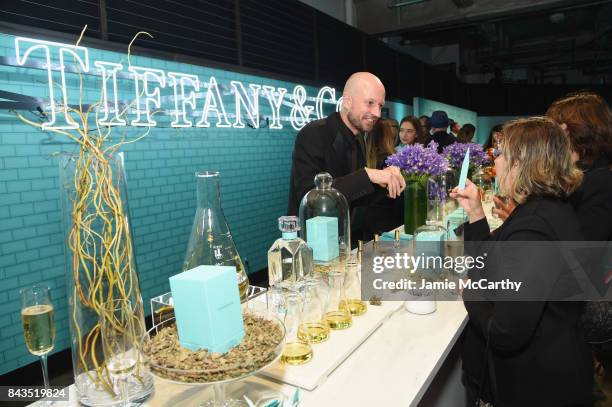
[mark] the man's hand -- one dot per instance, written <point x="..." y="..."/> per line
<point x="390" y="178"/>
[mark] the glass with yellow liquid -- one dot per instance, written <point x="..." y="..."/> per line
<point x="296" y="351"/>
<point x="313" y="328"/>
<point x="337" y="314"/>
<point x="352" y="289"/>
<point x="38" y="324"/>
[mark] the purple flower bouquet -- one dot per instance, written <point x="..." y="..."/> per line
<point x="456" y="152"/>
<point x="418" y="164"/>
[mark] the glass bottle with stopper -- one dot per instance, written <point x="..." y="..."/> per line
<point x="289" y="258"/>
<point x="211" y="242"/>
<point x="325" y="224"/>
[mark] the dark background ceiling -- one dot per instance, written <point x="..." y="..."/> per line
<point x="545" y="38"/>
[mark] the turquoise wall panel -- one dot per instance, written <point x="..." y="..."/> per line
<point x="486" y="123"/>
<point x="425" y="106"/>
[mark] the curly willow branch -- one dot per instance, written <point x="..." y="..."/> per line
<point x="99" y="239"/>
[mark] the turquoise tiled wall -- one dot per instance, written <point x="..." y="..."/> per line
<point x="254" y="166"/>
<point x="486" y="123"/>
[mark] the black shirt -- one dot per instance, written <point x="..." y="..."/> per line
<point x="328" y="145"/>
<point x="443" y="139"/>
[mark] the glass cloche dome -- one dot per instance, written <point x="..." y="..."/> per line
<point x="325" y="225"/>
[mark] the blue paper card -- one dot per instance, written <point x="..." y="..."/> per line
<point x="464" y="170"/>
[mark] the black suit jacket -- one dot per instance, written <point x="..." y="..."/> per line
<point x="324" y="146"/>
<point x="537" y="352"/>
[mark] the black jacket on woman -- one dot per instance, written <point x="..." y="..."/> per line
<point x="593" y="202"/>
<point x="536" y="355"/>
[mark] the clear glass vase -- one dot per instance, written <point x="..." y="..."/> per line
<point x="415" y="203"/>
<point x="100" y="267"/>
<point x="211" y="241"/>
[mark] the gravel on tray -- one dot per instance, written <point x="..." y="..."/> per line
<point x="168" y="359"/>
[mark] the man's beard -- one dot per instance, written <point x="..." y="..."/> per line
<point x="357" y="123"/>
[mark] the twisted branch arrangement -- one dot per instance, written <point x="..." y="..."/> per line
<point x="99" y="239"/>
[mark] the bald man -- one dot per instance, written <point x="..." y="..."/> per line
<point x="335" y="145"/>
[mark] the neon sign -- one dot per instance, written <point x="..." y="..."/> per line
<point x="190" y="97"/>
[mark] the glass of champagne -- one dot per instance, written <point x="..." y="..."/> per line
<point x="38" y="324"/>
<point x="121" y="338"/>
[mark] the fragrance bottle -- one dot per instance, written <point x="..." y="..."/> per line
<point x="289" y="258"/>
<point x="211" y="242"/>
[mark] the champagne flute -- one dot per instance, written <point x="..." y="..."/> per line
<point x="38" y="324"/>
<point x="119" y="330"/>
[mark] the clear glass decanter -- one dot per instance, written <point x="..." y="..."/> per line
<point x="289" y="258"/>
<point x="211" y="242"/>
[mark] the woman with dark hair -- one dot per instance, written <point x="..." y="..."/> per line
<point x="409" y="132"/>
<point x="494" y="136"/>
<point x="466" y="133"/>
<point x="587" y="119"/>
<point x="530" y="352"/>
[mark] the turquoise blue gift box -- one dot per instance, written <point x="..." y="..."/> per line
<point x="207" y="308"/>
<point x="322" y="237"/>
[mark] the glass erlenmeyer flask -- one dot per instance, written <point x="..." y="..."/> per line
<point x="211" y="242"/>
<point x="352" y="289"/>
<point x="313" y="328"/>
<point x="296" y="351"/>
<point x="337" y="316"/>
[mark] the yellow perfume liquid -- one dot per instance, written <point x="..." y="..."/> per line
<point x="38" y="328"/>
<point x="313" y="332"/>
<point x="296" y="353"/>
<point x="339" y="319"/>
<point x="243" y="287"/>
<point x="356" y="307"/>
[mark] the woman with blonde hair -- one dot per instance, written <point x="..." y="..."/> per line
<point x="527" y="353"/>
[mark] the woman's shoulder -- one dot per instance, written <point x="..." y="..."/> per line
<point x="549" y="217"/>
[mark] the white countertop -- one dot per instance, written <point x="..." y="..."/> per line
<point x="393" y="367"/>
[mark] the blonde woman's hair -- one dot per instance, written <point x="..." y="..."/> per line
<point x="542" y="151"/>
